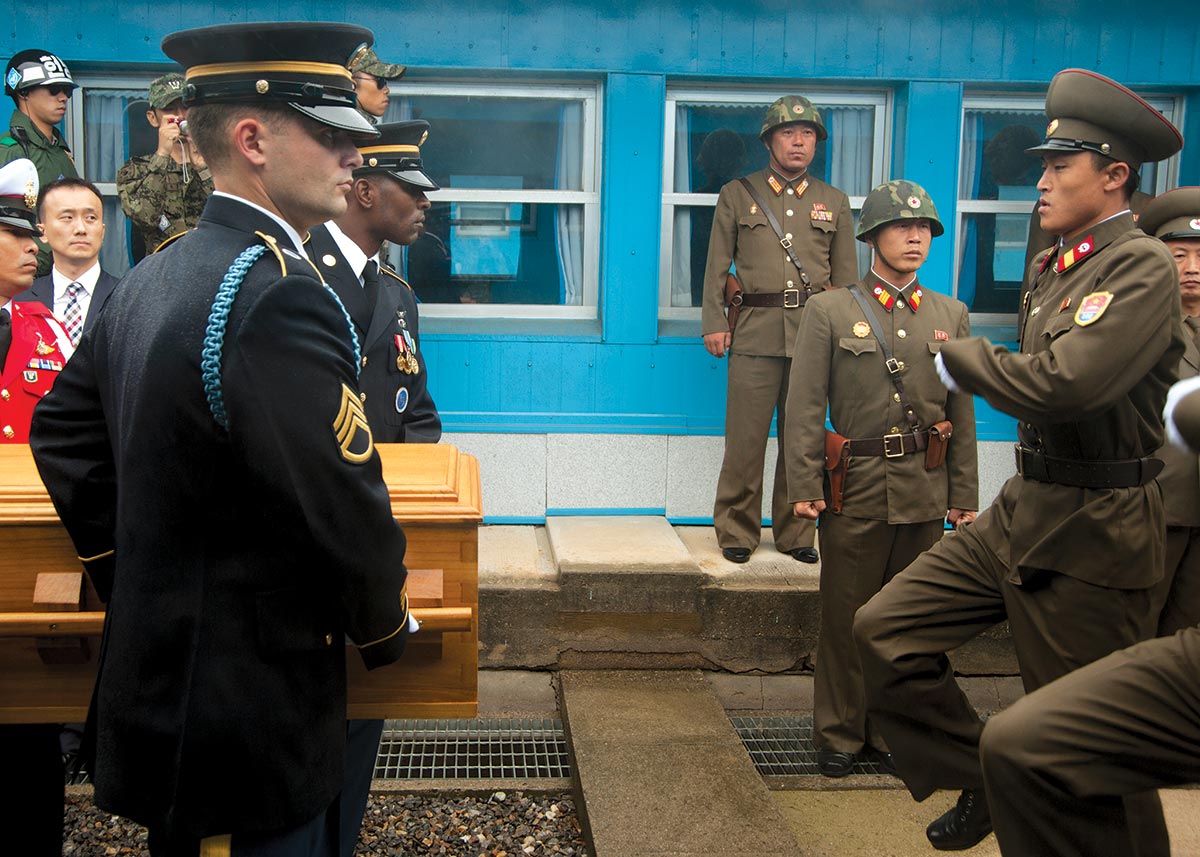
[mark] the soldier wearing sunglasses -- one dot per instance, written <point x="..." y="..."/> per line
<point x="371" y="76"/>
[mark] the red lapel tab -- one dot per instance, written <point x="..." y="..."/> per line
<point x="1080" y="251"/>
<point x="884" y="297"/>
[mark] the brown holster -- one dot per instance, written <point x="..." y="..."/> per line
<point x="837" y="457"/>
<point x="939" y="439"/>
<point x="733" y="302"/>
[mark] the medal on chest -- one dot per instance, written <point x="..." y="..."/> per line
<point x="406" y="360"/>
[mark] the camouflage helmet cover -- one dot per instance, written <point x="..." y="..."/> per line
<point x="897" y="200"/>
<point x="789" y="109"/>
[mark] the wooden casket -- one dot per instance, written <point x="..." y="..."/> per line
<point x="50" y="617"/>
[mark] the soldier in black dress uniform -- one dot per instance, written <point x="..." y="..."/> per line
<point x="208" y="452"/>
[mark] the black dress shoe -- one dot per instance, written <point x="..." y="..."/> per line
<point x="882" y="760"/>
<point x="736" y="554"/>
<point x="804" y="554"/>
<point x="963" y="826"/>
<point x="834" y="763"/>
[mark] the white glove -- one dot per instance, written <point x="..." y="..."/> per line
<point x="413" y="624"/>
<point x="945" y="375"/>
<point x="1177" y="392"/>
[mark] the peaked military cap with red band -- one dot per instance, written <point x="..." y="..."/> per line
<point x="298" y="63"/>
<point x="1088" y="112"/>
<point x="397" y="152"/>
<point x="18" y="195"/>
<point x="1174" y="215"/>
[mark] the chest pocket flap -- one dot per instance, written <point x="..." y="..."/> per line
<point x="855" y="345"/>
<point x="1058" y="325"/>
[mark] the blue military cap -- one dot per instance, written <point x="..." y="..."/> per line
<point x="397" y="152"/>
<point x="299" y="63"/>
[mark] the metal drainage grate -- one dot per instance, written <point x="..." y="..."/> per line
<point x="783" y="746"/>
<point x="480" y="749"/>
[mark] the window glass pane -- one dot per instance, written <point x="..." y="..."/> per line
<point x="497" y="253"/>
<point x="108" y="116"/>
<point x="993" y="261"/>
<point x="716" y="143"/>
<point x="523" y="142"/>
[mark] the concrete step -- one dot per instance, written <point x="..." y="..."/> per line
<point x="634" y="592"/>
<point x="659" y="770"/>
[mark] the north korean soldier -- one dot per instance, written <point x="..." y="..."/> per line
<point x="901" y="458"/>
<point x="1174" y="219"/>
<point x="789" y="235"/>
<point x="207" y="450"/>
<point x="387" y="202"/>
<point x="163" y="193"/>
<point x="1058" y="763"/>
<point x="1071" y="549"/>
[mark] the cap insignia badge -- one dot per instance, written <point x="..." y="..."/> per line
<point x="1195" y="224"/>
<point x="1052" y="127"/>
<point x="30" y="194"/>
<point x="913" y="202"/>
<point x="261" y="87"/>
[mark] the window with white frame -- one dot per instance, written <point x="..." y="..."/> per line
<point x="997" y="193"/>
<point x="514" y="231"/>
<point x="712" y="138"/>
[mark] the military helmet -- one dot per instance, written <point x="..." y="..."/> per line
<point x="897" y="200"/>
<point x="31" y="68"/>
<point x="792" y="108"/>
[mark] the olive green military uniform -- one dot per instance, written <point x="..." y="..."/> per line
<point x="1175" y="216"/>
<point x="894" y="508"/>
<point x="817" y="218"/>
<point x="162" y="197"/>
<point x="1071" y="565"/>
<point x="51" y="157"/>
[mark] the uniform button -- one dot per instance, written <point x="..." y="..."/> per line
<point x="791" y="284"/>
<point x="9" y="433"/>
<point x="895" y="397"/>
<point x="788" y="236"/>
<point x="894" y="430"/>
<point x="329" y="639"/>
<point x="363" y="397"/>
<point x="4" y="394"/>
<point x="790" y="212"/>
<point x="902" y="333"/>
<point x="791" y="192"/>
<point x="364" y="360"/>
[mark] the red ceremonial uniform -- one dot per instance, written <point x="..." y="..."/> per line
<point x="38" y="352"/>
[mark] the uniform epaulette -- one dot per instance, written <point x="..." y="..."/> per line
<point x="384" y="269"/>
<point x="8" y="141"/>
<point x="273" y="246"/>
<point x="170" y="240"/>
<point x="34" y="308"/>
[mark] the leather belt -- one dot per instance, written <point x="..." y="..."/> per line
<point x="891" y="445"/>
<point x="1127" y="473"/>
<point x="788" y="298"/>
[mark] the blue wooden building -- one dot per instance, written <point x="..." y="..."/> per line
<point x="580" y="146"/>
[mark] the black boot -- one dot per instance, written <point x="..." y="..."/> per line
<point x="962" y="826"/>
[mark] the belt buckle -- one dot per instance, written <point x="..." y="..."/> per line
<point x="887" y="439"/>
<point x="791" y="298"/>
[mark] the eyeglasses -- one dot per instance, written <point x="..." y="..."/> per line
<point x="381" y="82"/>
<point x="57" y="89"/>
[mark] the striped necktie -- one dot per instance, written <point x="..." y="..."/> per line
<point x="73" y="314"/>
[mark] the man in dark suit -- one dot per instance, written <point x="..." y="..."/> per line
<point x="207" y="451"/>
<point x="386" y="203"/>
<point x="71" y="212"/>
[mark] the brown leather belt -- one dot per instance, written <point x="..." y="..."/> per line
<point x="1127" y="473"/>
<point x="890" y="446"/>
<point x="788" y="298"/>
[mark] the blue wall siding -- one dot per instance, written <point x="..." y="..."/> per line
<point x="622" y="377"/>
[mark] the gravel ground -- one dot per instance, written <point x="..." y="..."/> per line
<point x="498" y="825"/>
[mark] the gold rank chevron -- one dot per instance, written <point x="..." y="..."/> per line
<point x="349" y="421"/>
